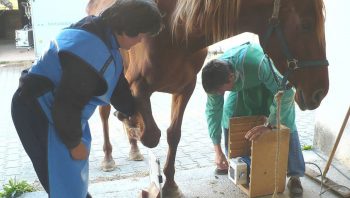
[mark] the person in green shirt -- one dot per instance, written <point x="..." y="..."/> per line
<point x="245" y="73"/>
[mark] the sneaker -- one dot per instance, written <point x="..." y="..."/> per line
<point x="294" y="186"/>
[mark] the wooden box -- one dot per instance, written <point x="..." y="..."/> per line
<point x="263" y="155"/>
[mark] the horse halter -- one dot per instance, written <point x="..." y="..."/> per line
<point x="292" y="62"/>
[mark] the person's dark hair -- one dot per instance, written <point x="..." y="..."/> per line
<point x="133" y="17"/>
<point x="214" y="74"/>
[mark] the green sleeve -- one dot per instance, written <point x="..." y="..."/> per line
<point x="213" y="112"/>
<point x="287" y="116"/>
<point x="229" y="108"/>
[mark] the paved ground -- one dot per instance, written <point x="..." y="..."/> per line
<point x="194" y="160"/>
<point x="8" y="53"/>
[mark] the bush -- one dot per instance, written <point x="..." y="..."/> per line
<point x="15" y="188"/>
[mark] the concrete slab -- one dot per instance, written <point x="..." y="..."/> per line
<point x="9" y="53"/>
<point x="194" y="183"/>
<point x="338" y="171"/>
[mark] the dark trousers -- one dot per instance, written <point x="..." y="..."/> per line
<point x="32" y="126"/>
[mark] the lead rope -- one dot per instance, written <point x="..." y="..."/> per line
<point x="278" y="97"/>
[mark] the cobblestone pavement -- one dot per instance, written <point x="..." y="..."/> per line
<point x="195" y="149"/>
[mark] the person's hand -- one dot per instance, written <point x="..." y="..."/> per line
<point x="220" y="159"/>
<point x="221" y="162"/>
<point x="79" y="152"/>
<point x="256" y="132"/>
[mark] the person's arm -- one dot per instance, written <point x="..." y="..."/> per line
<point x="213" y="112"/>
<point x="287" y="116"/>
<point x="122" y="99"/>
<point x="79" y="83"/>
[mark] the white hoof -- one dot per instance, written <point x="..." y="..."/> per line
<point x="108" y="165"/>
<point x="173" y="192"/>
<point x="135" y="156"/>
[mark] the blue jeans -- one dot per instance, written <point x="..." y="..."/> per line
<point x="296" y="164"/>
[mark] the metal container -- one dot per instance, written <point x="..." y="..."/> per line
<point x="24" y="38"/>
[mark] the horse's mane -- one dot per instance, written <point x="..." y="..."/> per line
<point x="192" y="15"/>
<point x="320" y="19"/>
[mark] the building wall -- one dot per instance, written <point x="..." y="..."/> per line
<point x="331" y="113"/>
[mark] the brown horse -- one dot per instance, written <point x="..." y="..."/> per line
<point x="291" y="32"/>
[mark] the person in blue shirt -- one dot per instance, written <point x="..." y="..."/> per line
<point x="81" y="69"/>
<point x="245" y="73"/>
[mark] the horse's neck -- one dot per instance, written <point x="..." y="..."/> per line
<point x="253" y="18"/>
<point x="166" y="6"/>
<point x="95" y="7"/>
<point x="253" y="23"/>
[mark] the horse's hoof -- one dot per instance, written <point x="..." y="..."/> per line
<point x="172" y="192"/>
<point x="135" y="155"/>
<point x="108" y="165"/>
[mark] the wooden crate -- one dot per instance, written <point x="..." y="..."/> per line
<point x="238" y="145"/>
<point x="263" y="155"/>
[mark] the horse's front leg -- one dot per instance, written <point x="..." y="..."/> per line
<point x="150" y="133"/>
<point x="179" y="102"/>
<point x="108" y="164"/>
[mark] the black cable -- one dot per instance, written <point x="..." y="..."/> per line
<point x="330" y="187"/>
<point x="347" y="177"/>
<point x="319" y="169"/>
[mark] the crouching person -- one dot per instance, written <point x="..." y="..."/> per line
<point x="245" y="73"/>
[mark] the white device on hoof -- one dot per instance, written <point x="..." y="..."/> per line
<point x="155" y="173"/>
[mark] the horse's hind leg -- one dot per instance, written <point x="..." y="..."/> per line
<point x="133" y="133"/>
<point x="108" y="164"/>
<point x="179" y="102"/>
<point x="134" y="153"/>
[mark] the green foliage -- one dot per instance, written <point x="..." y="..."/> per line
<point x="306" y="147"/>
<point x="15" y="188"/>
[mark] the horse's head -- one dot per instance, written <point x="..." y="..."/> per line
<point x="294" y="37"/>
<point x="291" y="32"/>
